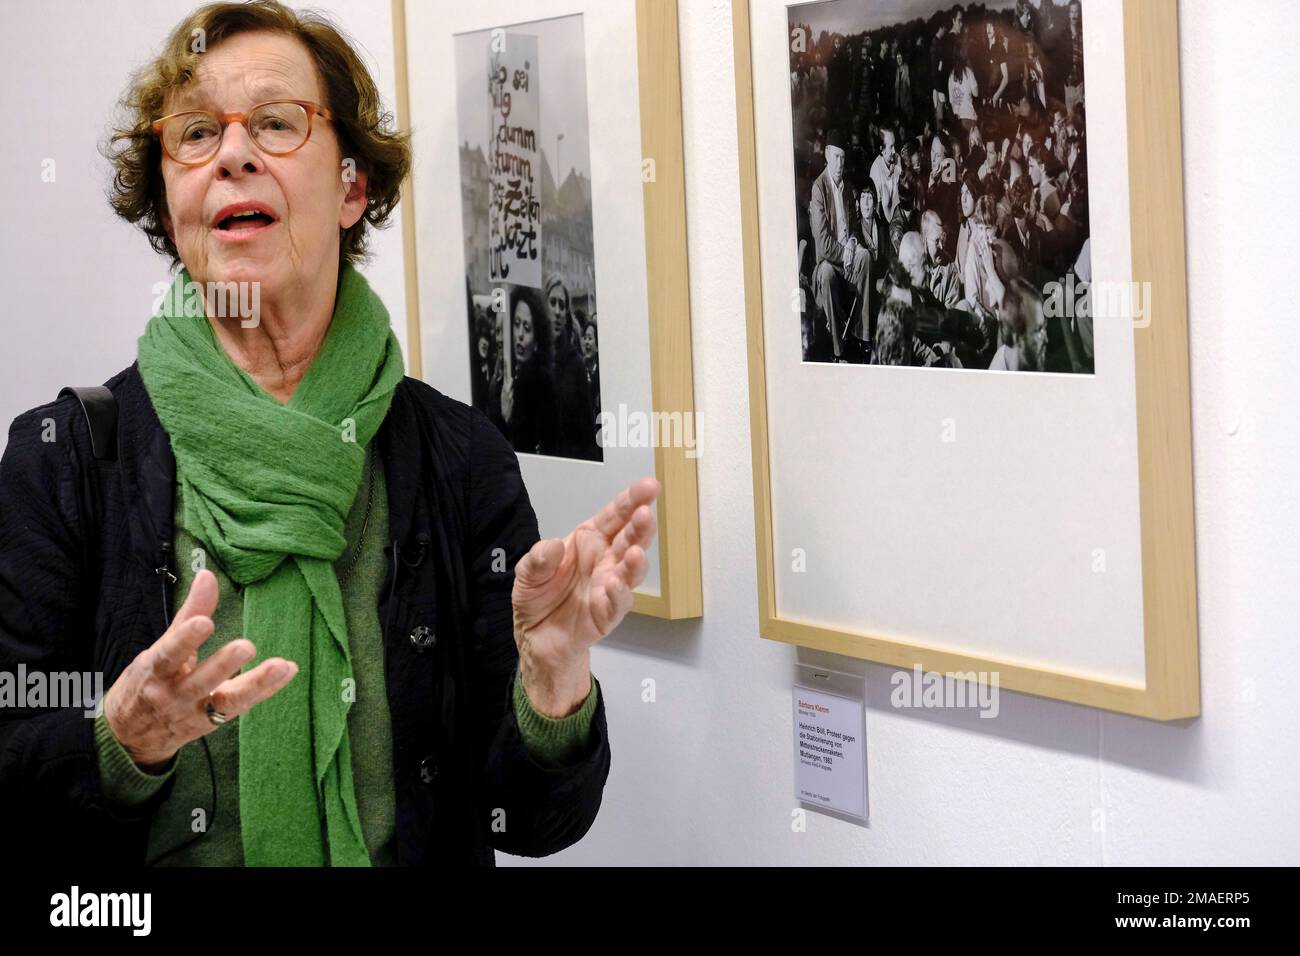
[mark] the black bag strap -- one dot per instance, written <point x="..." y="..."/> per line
<point x="100" y="408"/>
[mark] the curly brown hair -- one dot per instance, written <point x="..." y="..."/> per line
<point x="364" y="130"/>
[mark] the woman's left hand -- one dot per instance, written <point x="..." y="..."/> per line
<point x="570" y="592"/>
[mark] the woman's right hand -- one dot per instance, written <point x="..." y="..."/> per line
<point x="159" y="703"/>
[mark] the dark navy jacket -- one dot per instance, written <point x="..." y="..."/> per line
<point x="85" y="585"/>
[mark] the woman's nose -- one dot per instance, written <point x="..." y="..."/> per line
<point x="237" y="152"/>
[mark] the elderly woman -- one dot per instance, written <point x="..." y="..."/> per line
<point x="376" y="660"/>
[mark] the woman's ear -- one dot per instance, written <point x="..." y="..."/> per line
<point x="355" y="199"/>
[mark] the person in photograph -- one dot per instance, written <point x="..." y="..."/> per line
<point x="982" y="284"/>
<point x="576" y="428"/>
<point x="884" y="78"/>
<point x="1026" y="231"/>
<point x="1014" y="172"/>
<point x="993" y="63"/>
<point x="995" y="189"/>
<point x="1074" y="140"/>
<point x="485" y="352"/>
<point x="1058" y="131"/>
<point x="994" y="165"/>
<point x="913" y="163"/>
<point x="1036" y="79"/>
<point x="842" y="266"/>
<point x="970" y="192"/>
<point x="1070" y="226"/>
<point x="1021" y="144"/>
<point x="1049" y="203"/>
<point x="524" y="404"/>
<point x="942" y="189"/>
<point x="871" y="229"/>
<point x="874" y="243"/>
<point x="902" y="85"/>
<point x="1026" y="19"/>
<point x="839" y="71"/>
<point x="855" y="156"/>
<point x="1072" y="93"/>
<point x="591" y="363"/>
<point x="907" y="213"/>
<point x="954" y="37"/>
<point x="886" y="170"/>
<point x="922" y="79"/>
<point x="1023" y="94"/>
<point x="941" y="275"/>
<point x="1024" y="330"/>
<point x="961" y="336"/>
<point x="963" y="89"/>
<point x="1081" y="324"/>
<point x="944" y="43"/>
<point x="911" y="262"/>
<point x="283" y="505"/>
<point x="962" y="146"/>
<point x="869" y="220"/>
<point x="895" y="341"/>
<point x="1069" y="325"/>
<point x="864" y="102"/>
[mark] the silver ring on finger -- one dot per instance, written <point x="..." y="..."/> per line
<point x="216" y="717"/>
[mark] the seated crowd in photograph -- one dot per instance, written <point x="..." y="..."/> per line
<point x="944" y="166"/>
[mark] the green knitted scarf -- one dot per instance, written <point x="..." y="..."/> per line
<point x="267" y="487"/>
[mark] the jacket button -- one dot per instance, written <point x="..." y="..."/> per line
<point x="422" y="638"/>
<point x="428" y="769"/>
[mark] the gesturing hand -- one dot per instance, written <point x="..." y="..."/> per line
<point x="159" y="703"/>
<point x="570" y="592"/>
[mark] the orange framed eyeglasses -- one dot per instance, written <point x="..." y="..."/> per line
<point x="278" y="127"/>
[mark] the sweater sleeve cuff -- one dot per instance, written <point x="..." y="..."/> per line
<point x="123" y="782"/>
<point x="554" y="741"/>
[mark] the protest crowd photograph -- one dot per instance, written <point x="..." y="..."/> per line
<point x="940" y="160"/>
<point x="529" y="249"/>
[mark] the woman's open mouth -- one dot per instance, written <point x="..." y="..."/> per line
<point x="243" y="221"/>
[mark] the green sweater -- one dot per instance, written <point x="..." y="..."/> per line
<point x="182" y="815"/>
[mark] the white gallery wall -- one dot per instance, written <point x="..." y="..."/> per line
<point x="702" y="774"/>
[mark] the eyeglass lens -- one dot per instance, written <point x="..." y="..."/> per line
<point x="274" y="127"/>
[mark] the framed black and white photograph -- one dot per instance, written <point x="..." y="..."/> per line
<point x="941" y="182"/>
<point x="546" y="251"/>
<point x="525" y="180"/>
<point x="934" y="184"/>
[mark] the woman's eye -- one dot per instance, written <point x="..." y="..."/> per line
<point x="272" y="123"/>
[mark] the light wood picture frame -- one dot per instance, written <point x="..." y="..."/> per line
<point x="1168" y="612"/>
<point x="654" y="22"/>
